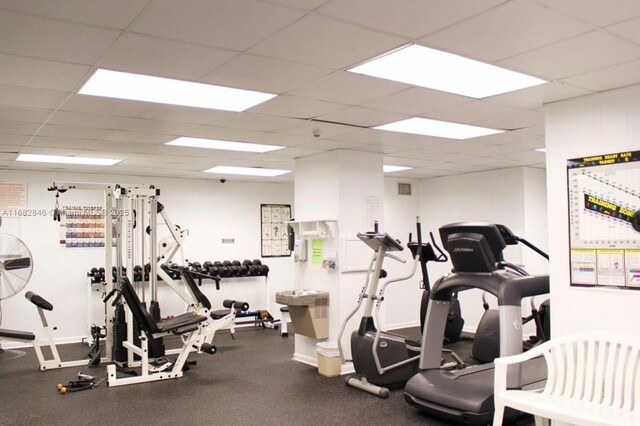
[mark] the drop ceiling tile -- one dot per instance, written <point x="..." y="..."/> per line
<point x="301" y="4"/>
<point x="527" y="145"/>
<point x="608" y="78"/>
<point x="103" y="121"/>
<point x="495" y="150"/>
<point x="260" y="122"/>
<point x="527" y="118"/>
<point x="60" y="41"/>
<point x="628" y="29"/>
<point x="296" y="107"/>
<point x="326" y="43"/>
<point x="29" y="97"/>
<point x="178" y="151"/>
<point x="330" y="145"/>
<point x="586" y="52"/>
<point x="224" y="133"/>
<point x="373" y="136"/>
<point x="17" y="128"/>
<point x="15" y="140"/>
<point x="537" y="96"/>
<point x="416" y="101"/>
<point x="113" y="13"/>
<point x="290" y="153"/>
<point x="472" y="112"/>
<point x="148" y="55"/>
<point x="408" y="18"/>
<point x="525" y="156"/>
<point x="348" y="88"/>
<point x="506" y="137"/>
<point x="73" y="132"/>
<point x="307" y="128"/>
<point x="23" y="114"/>
<point x="456" y="146"/>
<point x="271" y="75"/>
<point x="41" y="74"/>
<point x="50" y="150"/>
<point x="109" y="106"/>
<point x="231" y="24"/>
<point x="137" y="137"/>
<point x="509" y="29"/>
<point x="272" y="138"/>
<point x="364" y="117"/>
<point x="428" y="155"/>
<point x="69" y="143"/>
<point x="534" y="130"/>
<point x="380" y="148"/>
<point x="125" y="149"/>
<point x="185" y="114"/>
<point x="596" y="11"/>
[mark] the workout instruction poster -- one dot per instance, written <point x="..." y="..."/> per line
<point x="604" y="220"/>
<point x="273" y="224"/>
<point x="82" y="226"/>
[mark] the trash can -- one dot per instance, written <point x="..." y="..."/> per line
<point x="309" y="310"/>
<point x="328" y="359"/>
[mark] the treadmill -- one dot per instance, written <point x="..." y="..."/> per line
<point x="466" y="396"/>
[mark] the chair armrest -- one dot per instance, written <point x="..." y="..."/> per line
<point x="502" y="364"/>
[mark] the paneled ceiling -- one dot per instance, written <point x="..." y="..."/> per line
<point x="299" y="50"/>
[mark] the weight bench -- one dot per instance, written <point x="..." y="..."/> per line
<point x="593" y="380"/>
<point x="27" y="337"/>
<point x="187" y="325"/>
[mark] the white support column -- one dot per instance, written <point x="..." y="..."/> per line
<point x="346" y="187"/>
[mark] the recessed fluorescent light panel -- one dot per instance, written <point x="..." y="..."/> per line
<point x="137" y="87"/>
<point x="391" y="169"/>
<point x="224" y="145"/>
<point x="434" y="69"/>
<point x="66" y="159"/>
<point x="441" y="129"/>
<point x="247" y="171"/>
<point x="541" y="150"/>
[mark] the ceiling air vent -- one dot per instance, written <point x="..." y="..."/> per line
<point x="404" y="189"/>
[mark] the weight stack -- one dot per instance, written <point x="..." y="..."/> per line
<point x="156" y="346"/>
<point x="119" y="335"/>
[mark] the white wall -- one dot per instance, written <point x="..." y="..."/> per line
<point x="401" y="306"/>
<point x="209" y="209"/>
<point x="513" y="197"/>
<point x="597" y="124"/>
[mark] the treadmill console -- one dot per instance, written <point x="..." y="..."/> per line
<point x="474" y="247"/>
<point x="375" y="240"/>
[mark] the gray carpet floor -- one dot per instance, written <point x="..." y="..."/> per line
<point x="251" y="380"/>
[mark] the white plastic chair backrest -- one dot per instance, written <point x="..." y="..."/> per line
<point x="600" y="368"/>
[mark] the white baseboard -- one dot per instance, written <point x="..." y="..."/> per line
<point x="305" y="359"/>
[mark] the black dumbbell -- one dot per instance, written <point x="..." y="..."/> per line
<point x="254" y="270"/>
<point x="256" y="262"/>
<point x="247" y="263"/>
<point x="227" y="263"/>
<point x="206" y="266"/>
<point x="243" y="270"/>
<point x="234" y="271"/>
<point x="224" y="271"/>
<point x="137" y="273"/>
<point x="264" y="270"/>
<point x="235" y="263"/>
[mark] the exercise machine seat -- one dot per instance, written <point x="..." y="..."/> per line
<point x="177" y="325"/>
<point x="39" y="301"/>
<point x="15" y="334"/>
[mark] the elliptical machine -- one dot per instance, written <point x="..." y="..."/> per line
<point x="383" y="359"/>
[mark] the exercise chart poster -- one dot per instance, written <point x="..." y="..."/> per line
<point x="82" y="226"/>
<point x="273" y="224"/>
<point x="604" y="216"/>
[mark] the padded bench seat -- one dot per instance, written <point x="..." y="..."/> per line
<point x="15" y="334"/>
<point x="220" y="313"/>
<point x="181" y="321"/>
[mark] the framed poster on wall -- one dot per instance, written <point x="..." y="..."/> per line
<point x="604" y="220"/>
<point x="273" y="228"/>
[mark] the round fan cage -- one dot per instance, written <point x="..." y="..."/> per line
<point x="16" y="265"/>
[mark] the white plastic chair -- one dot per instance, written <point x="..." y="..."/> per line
<point x="592" y="380"/>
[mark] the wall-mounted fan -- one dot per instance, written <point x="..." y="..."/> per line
<point x="16" y="265"/>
